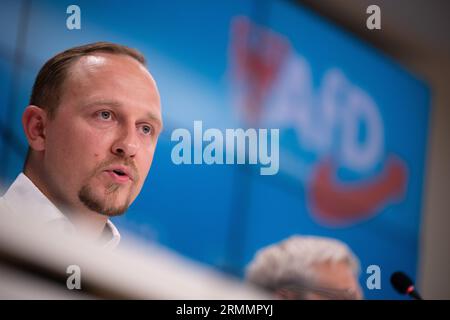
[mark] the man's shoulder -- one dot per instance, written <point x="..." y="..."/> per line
<point x="13" y="195"/>
<point x="4" y="208"/>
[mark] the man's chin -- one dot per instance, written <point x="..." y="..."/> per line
<point x="107" y="204"/>
<point x="114" y="211"/>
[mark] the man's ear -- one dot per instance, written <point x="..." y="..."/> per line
<point x="34" y="121"/>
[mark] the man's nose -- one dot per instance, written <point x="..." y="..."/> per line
<point x="127" y="144"/>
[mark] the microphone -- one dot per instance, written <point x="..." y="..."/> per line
<point x="404" y="285"/>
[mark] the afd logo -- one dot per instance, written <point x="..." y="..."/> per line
<point x="338" y="125"/>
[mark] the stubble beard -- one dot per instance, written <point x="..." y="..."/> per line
<point x="104" y="204"/>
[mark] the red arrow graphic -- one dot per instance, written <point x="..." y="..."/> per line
<point x="338" y="203"/>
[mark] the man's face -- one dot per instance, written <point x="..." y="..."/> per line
<point x="335" y="281"/>
<point x="100" y="144"/>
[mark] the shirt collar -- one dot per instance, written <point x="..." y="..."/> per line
<point x="24" y="197"/>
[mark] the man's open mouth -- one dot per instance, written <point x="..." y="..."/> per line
<point x="119" y="172"/>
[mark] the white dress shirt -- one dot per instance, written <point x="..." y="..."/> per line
<point x="23" y="197"/>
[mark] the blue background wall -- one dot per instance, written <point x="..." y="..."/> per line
<point x="221" y="214"/>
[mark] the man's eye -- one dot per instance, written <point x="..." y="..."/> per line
<point x="147" y="130"/>
<point x="105" y="115"/>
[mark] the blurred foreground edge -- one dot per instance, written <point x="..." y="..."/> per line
<point x="34" y="263"/>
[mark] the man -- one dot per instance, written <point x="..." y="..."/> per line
<point x="92" y="126"/>
<point x="307" y="268"/>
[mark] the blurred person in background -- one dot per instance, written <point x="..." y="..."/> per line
<point x="306" y="268"/>
<point x="92" y="126"/>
